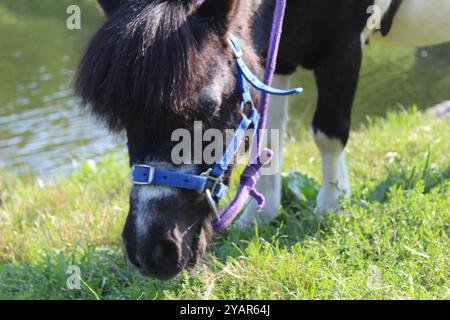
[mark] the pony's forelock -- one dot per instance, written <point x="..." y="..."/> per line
<point x="148" y="59"/>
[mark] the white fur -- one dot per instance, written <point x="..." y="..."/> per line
<point x="335" y="181"/>
<point x="143" y="196"/>
<point x="270" y="185"/>
<point x="419" y="23"/>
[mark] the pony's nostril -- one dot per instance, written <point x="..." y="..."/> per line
<point x="164" y="258"/>
<point x="165" y="251"/>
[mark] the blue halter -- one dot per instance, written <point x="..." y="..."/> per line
<point x="210" y="182"/>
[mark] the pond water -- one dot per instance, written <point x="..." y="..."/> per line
<point x="43" y="129"/>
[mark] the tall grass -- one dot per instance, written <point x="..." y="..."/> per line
<point x="390" y="241"/>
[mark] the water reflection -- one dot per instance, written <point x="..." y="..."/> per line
<point x="42" y="128"/>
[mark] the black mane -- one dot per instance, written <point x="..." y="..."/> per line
<point x="144" y="62"/>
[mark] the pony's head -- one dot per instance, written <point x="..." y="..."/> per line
<point x="156" y="66"/>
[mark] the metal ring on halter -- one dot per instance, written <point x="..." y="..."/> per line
<point x="208" y="194"/>
<point x="209" y="177"/>
<point x="212" y="203"/>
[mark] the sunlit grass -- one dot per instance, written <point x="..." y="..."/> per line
<point x="391" y="242"/>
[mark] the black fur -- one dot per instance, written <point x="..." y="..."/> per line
<point x="109" y="6"/>
<point x="219" y="13"/>
<point x="145" y="68"/>
<point x="324" y="36"/>
<point x="143" y="73"/>
<point x="145" y="63"/>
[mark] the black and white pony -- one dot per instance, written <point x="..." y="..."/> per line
<point x="159" y="65"/>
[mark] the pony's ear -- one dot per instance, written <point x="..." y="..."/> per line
<point x="219" y="13"/>
<point x="109" y="6"/>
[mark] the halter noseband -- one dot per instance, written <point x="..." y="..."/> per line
<point x="210" y="183"/>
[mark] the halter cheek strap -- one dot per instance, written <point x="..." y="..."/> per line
<point x="210" y="182"/>
<point x="250" y="76"/>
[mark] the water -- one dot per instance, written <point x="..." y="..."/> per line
<point x="43" y="129"/>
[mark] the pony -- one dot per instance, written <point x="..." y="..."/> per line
<point x="159" y="65"/>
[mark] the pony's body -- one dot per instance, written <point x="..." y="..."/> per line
<point x="326" y="37"/>
<point x="159" y="65"/>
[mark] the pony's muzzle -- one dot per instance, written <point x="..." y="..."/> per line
<point x="160" y="259"/>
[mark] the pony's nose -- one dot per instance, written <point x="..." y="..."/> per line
<point x="163" y="260"/>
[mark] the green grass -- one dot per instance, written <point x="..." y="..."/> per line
<point x="392" y="242"/>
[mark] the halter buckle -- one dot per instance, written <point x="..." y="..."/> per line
<point x="142" y="175"/>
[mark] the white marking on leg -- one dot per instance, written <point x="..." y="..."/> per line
<point x="270" y="185"/>
<point x="335" y="182"/>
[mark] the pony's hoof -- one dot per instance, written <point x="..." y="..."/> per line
<point x="246" y="222"/>
<point x="328" y="200"/>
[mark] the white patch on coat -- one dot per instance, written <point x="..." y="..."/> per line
<point x="270" y="185"/>
<point x="419" y="23"/>
<point x="142" y="196"/>
<point x="335" y="181"/>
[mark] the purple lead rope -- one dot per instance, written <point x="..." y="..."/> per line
<point x="252" y="172"/>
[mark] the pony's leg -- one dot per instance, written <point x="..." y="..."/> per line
<point x="337" y="77"/>
<point x="270" y="185"/>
